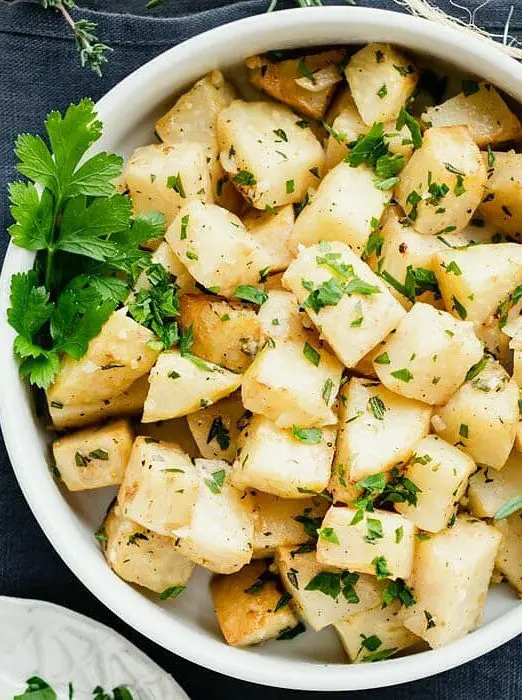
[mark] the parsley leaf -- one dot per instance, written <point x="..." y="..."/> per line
<point x="157" y="307"/>
<point x="310" y="436"/>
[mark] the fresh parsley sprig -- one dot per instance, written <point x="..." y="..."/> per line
<point x="86" y="242"/>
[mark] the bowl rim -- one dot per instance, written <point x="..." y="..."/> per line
<point x="285" y="28"/>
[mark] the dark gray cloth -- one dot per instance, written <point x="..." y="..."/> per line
<point x="39" y="71"/>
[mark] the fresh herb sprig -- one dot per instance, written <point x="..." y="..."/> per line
<point x="86" y="242"/>
<point x="38" y="689"/>
<point x="92" y="52"/>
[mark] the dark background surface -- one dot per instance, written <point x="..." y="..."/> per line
<point x="39" y="71"/>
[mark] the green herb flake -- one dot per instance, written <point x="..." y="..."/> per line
<point x="184" y="226"/>
<point x="404" y="375"/>
<point x="245" y="178"/>
<point x="509" y="508"/>
<point x="174" y="182"/>
<point x="220" y="433"/>
<point x="377" y="406"/>
<point x="311" y="354"/>
<point x="383" y="359"/>
<point x="216" y="481"/>
<point x="310" y="436"/>
<point x="171" y="593"/>
<point x="252" y="294"/>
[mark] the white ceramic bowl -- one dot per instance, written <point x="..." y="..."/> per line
<point x="187" y="626"/>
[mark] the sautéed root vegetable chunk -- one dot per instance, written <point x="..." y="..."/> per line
<point x="331" y="317"/>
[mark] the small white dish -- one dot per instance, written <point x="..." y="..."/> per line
<point x="62" y="647"/>
<point x="188" y="626"/>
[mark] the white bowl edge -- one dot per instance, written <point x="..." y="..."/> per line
<point x="151" y="82"/>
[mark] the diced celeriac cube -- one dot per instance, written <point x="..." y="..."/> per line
<point x="346" y="127"/>
<point x="216" y="428"/>
<point x="245" y="605"/>
<point x="280" y="317"/>
<point x="451" y="576"/>
<point x="181" y="384"/>
<point x="442" y="183"/>
<point x="482" y="416"/>
<point x="305" y="84"/>
<point x="501" y="205"/>
<point x="489" y="488"/>
<point x="141" y="556"/>
<point x="279" y="522"/>
<point x="226" y="333"/>
<point x="482" y="110"/>
<point x="286" y="386"/>
<point x="94" y="457"/>
<point x="377" y="429"/>
<point x="381" y="80"/>
<point x="428" y="356"/>
<point x="343" y="209"/>
<point x="479" y="277"/>
<point x="353" y="322"/>
<point x="173" y="430"/>
<point x="368" y="544"/>
<point x="375" y="634"/>
<point x="193" y="119"/>
<point x="215" y="247"/>
<point x="162" y="177"/>
<point x="440" y="472"/>
<point x="128" y="403"/>
<point x="275" y="460"/>
<point x="220" y="532"/>
<point x="271" y="231"/>
<point x="160" y="485"/>
<point x="509" y="555"/>
<point x="407" y="256"/>
<point x="116" y="358"/>
<point x="268" y="168"/>
<point x="307" y="581"/>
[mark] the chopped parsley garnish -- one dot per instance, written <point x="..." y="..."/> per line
<point x="216" y="481"/>
<point x="172" y="592"/>
<point x="310" y="436"/>
<point x="382" y="91"/>
<point x="406" y="119"/>
<point x="303" y="70"/>
<point x="373" y="530"/>
<point x="184" y="226"/>
<point x="244" y="177"/>
<point x="382" y="359"/>
<point x="459" y="308"/>
<point x="157" y="307"/>
<point x="283" y="601"/>
<point x="252" y="294"/>
<point x="220" y="432"/>
<point x="291" y="632"/>
<point x="398" y="590"/>
<point x="311" y="354"/>
<point x="403" y="374"/>
<point x="281" y="134"/>
<point x="463" y="430"/>
<point x="174" y="182"/>
<point x="430" y="622"/>
<point x="99" y="454"/>
<point x="453" y="267"/>
<point x="399" y="534"/>
<point x="328" y="534"/>
<point x="476" y="369"/>
<point x="381" y="568"/>
<point x="327" y="391"/>
<point x="289" y="186"/>
<point x="333" y="584"/>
